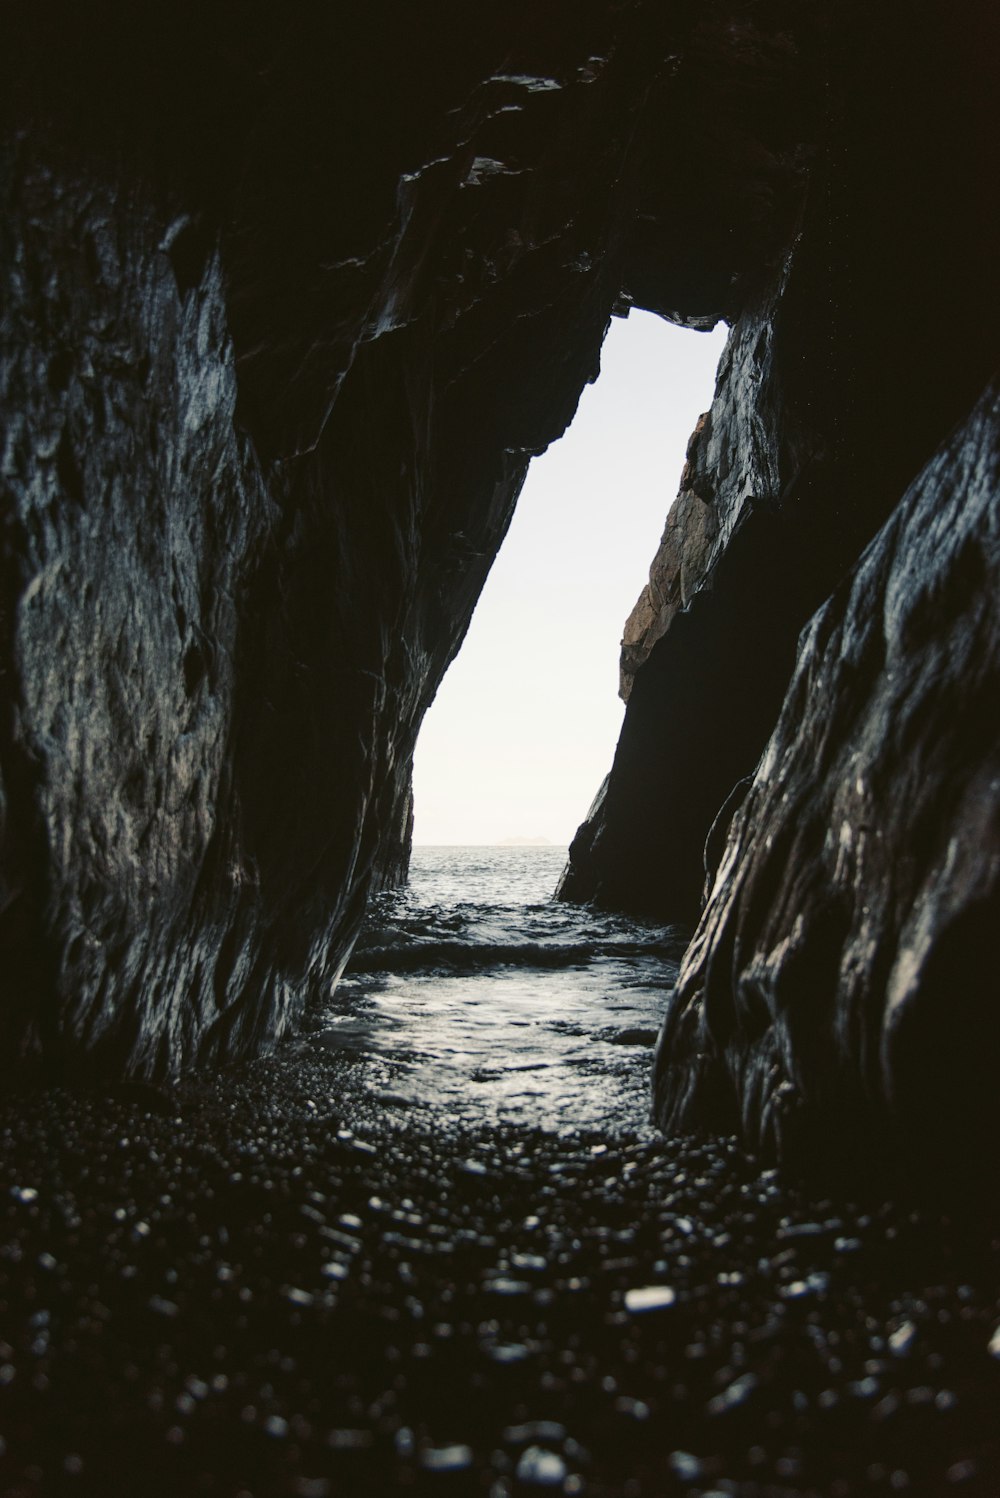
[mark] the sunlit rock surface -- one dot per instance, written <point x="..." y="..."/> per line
<point x="845" y="958"/>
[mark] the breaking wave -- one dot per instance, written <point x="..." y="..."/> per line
<point x="473" y="986"/>
<point x="459" y="957"/>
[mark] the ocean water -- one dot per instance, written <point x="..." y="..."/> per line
<point x="473" y="993"/>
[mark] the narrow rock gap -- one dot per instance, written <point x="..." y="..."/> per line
<point x="523" y="728"/>
<point x="473" y="990"/>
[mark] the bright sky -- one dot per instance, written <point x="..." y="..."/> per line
<point x="524" y="727"/>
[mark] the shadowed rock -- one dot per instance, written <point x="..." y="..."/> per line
<point x="839" y="990"/>
<point x="290" y="300"/>
<point x="848" y="363"/>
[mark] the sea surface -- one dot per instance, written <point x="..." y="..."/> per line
<point x="472" y="990"/>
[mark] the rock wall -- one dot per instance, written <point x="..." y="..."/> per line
<point x="289" y="302"/>
<point x="133" y="513"/>
<point x="869" y="338"/>
<point x="840" y="985"/>
<point x="836" y="995"/>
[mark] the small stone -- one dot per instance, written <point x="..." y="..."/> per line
<point x="638" y="1409"/>
<point x="161" y="1307"/>
<point x="737" y="1393"/>
<point x="887" y="1407"/>
<point x="528" y="1261"/>
<point x="446" y="1458"/>
<point x="650" y="1298"/>
<point x="634" y="1037"/>
<point x="685" y="1466"/>
<point x="540" y="1468"/>
<point x="296" y="1296"/>
<point x="814" y="1284"/>
<point x="801" y="1230"/>
<point x="349" y="1440"/>
<point x="508" y="1352"/>
<point x="533" y="1431"/>
<point x="902" y="1339"/>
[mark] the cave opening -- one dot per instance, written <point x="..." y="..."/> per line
<point x="282" y="299"/>
<point x="524" y="726"/>
<point x="471" y="985"/>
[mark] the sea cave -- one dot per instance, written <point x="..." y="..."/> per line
<point x="292" y="298"/>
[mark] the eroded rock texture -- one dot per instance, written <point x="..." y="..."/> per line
<point x="871" y="335"/>
<point x="134" y="513"/>
<point x="289" y="301"/>
<point x="845" y="957"/>
<point x="837" y="994"/>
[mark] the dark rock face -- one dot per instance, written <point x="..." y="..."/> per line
<point x="706" y="676"/>
<point x="133" y="510"/>
<point x="835" y="993"/>
<point x="289" y="303"/>
<point x="844" y="965"/>
<point x="288" y="306"/>
<point x="831" y="395"/>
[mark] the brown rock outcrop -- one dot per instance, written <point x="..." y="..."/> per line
<point x="681" y="562"/>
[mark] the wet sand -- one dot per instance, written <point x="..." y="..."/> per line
<point x="275" y="1282"/>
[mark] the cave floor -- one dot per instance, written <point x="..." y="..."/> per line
<point x="264" y="1284"/>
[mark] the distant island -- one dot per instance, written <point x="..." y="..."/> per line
<point x="525" y="842"/>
